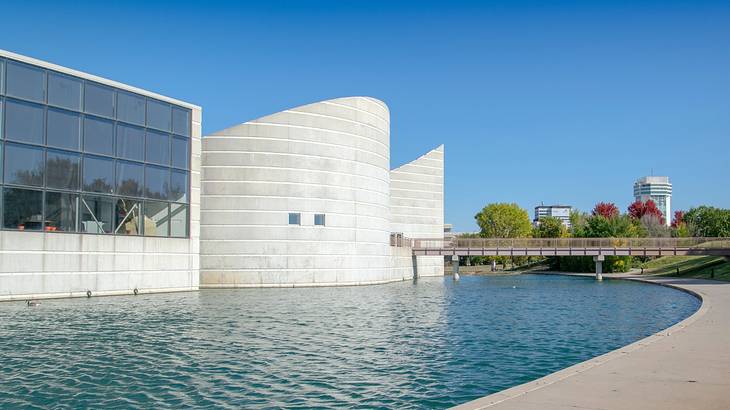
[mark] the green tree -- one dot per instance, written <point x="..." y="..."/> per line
<point x="502" y="220"/>
<point x="577" y="222"/>
<point x="550" y="227"/>
<point x="708" y="221"/>
<point x="600" y="226"/>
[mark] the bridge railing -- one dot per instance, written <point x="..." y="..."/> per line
<point x="504" y="243"/>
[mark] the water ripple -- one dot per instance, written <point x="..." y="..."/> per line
<point x="431" y="344"/>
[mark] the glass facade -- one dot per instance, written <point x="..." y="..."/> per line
<point x="79" y="156"/>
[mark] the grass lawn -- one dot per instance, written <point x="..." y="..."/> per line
<point x="690" y="267"/>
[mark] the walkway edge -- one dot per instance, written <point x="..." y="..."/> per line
<point x="577" y="369"/>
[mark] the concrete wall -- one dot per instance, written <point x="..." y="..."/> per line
<point x="38" y="264"/>
<point x="330" y="157"/>
<point x="417" y="204"/>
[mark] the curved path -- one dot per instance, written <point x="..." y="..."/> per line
<point x="686" y="366"/>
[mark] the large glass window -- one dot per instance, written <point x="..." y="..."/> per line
<point x="24" y="121"/>
<point x="128" y="214"/>
<point x="22" y="209"/>
<point x="98" y="136"/>
<point x="61" y="209"/>
<point x="178" y="220"/>
<point x="159" y="115"/>
<point x="181" y="121"/>
<point x="99" y="99"/>
<point x="81" y="156"/>
<point x="97" y="214"/>
<point x="156" y="218"/>
<point x="64" y="129"/>
<point x="179" y="186"/>
<point x="98" y="175"/>
<point x="180" y="153"/>
<point x="64" y="91"/>
<point x="157" y="182"/>
<point x="130" y="142"/>
<point x="62" y="170"/>
<point x="130" y="107"/>
<point x="158" y="148"/>
<point x="24" y="165"/>
<point x="25" y="81"/>
<point x="130" y="178"/>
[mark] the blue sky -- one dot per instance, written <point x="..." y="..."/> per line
<point x="550" y="102"/>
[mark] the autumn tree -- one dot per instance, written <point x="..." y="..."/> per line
<point x="678" y="219"/>
<point x="607" y="210"/>
<point x="639" y="209"/>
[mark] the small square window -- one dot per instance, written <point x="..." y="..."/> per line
<point x="319" y="219"/>
<point x="130" y="107"/>
<point x="295" y="219"/>
<point x="159" y="115"/>
<point x="24" y="122"/>
<point x="181" y="121"/>
<point x="156" y="219"/>
<point x="61" y="209"/>
<point x="99" y="100"/>
<point x="23" y="209"/>
<point x="96" y="214"/>
<point x="26" y="81"/>
<point x="64" y="91"/>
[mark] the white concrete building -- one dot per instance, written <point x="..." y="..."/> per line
<point x="417" y="204"/>
<point x="100" y="185"/>
<point x="561" y="212"/>
<point x="304" y="198"/>
<point x="659" y="190"/>
<point x="101" y="192"/>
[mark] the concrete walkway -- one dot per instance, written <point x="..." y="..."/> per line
<point x="686" y="366"/>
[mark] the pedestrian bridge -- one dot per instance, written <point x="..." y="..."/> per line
<point x="571" y="246"/>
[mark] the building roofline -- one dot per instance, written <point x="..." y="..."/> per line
<point x="87" y="76"/>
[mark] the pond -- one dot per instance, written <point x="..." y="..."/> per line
<point x="433" y="343"/>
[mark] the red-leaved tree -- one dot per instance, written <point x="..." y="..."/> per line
<point x="605" y="209"/>
<point x="678" y="219"/>
<point x="638" y="209"/>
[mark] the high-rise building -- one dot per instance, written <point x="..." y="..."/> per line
<point x="561" y="212"/>
<point x="659" y="190"/>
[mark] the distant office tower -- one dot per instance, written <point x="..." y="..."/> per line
<point x="561" y="212"/>
<point x="659" y="190"/>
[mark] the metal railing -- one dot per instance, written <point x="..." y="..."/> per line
<point x="570" y="243"/>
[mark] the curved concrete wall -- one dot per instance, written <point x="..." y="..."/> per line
<point x="330" y="157"/>
<point x="417" y="204"/>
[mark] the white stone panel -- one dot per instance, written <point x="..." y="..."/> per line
<point x="417" y="204"/>
<point x="330" y="157"/>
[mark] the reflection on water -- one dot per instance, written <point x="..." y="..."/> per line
<point x="430" y="344"/>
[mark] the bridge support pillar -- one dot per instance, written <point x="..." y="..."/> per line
<point x="599" y="266"/>
<point x="455" y="266"/>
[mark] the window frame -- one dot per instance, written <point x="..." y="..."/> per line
<point x="324" y="220"/>
<point x="65" y="101"/>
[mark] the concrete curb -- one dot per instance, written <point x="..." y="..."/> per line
<point x="508" y="398"/>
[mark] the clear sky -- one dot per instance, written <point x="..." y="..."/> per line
<point x="556" y="102"/>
